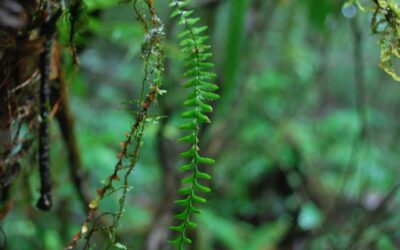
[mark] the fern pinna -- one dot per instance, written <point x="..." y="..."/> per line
<point x="201" y="91"/>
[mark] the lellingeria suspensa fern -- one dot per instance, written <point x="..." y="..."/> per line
<point x="196" y="52"/>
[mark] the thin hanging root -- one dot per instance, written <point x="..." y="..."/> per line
<point x="47" y="31"/>
<point x="44" y="202"/>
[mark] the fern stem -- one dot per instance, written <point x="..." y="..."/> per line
<point x="196" y="100"/>
<point x="196" y="143"/>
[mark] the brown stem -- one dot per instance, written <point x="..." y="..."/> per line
<point x="101" y="192"/>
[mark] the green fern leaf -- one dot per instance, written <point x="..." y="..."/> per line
<point x="201" y="91"/>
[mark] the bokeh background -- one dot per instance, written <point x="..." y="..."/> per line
<point x="305" y="134"/>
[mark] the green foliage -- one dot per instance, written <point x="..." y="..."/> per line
<point x="284" y="136"/>
<point x="236" y="235"/>
<point x="386" y="24"/>
<point x="201" y="92"/>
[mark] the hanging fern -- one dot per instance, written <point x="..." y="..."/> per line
<point x="201" y="91"/>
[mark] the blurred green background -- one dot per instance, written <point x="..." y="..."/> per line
<point x="305" y="134"/>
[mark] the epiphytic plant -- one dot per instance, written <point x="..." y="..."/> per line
<point x="201" y="92"/>
<point x="152" y="54"/>
<point x="385" y="23"/>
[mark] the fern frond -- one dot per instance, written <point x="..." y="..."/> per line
<point x="201" y="91"/>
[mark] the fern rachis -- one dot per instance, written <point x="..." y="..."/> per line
<point x="201" y="91"/>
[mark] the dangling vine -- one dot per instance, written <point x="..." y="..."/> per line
<point x="153" y="58"/>
<point x="201" y="92"/>
<point x="44" y="202"/>
<point x="47" y="31"/>
<point x="152" y="54"/>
